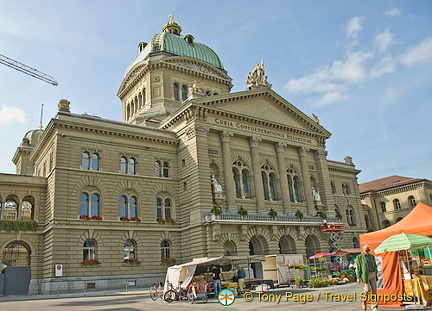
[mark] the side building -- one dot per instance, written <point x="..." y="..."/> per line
<point x="388" y="200"/>
<point x="192" y="170"/>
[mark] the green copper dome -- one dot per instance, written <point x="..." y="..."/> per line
<point x="184" y="46"/>
<point x="170" y="41"/>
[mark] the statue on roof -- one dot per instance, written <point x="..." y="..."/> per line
<point x="256" y="77"/>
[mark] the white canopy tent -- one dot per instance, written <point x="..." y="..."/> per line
<point x="181" y="275"/>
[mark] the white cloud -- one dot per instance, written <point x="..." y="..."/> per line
<point x="11" y="114"/>
<point x="386" y="65"/>
<point x="352" y="69"/>
<point x="393" y="12"/>
<point x="418" y="54"/>
<point x="330" y="98"/>
<point x="354" y="27"/>
<point x="384" y="40"/>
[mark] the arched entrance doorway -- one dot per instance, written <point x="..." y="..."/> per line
<point x="312" y="245"/>
<point x="258" y="246"/>
<point x="16" y="254"/>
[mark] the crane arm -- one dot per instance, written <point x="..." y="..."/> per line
<point x="27" y="69"/>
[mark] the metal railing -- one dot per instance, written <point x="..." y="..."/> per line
<point x="264" y="218"/>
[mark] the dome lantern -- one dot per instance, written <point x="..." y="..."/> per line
<point x="172" y="27"/>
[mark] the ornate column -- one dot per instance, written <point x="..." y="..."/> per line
<point x="280" y="147"/>
<point x="306" y="179"/>
<point x="227" y="163"/>
<point x="324" y="180"/>
<point x="256" y="170"/>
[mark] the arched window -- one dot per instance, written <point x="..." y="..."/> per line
<point x="386" y="223"/>
<point x="333" y="187"/>
<point x="95" y="162"/>
<point x="396" y="204"/>
<point x="165" y="169"/>
<point x="123" y="206"/>
<point x="89" y="205"/>
<point x="412" y="201"/>
<point x="176" y="92"/>
<point x="123" y="167"/>
<point x="184" y="92"/>
<point x="346" y="189"/>
<point x="26" y="210"/>
<point x="85" y="161"/>
<point x="350" y="216"/>
<point x="157" y="169"/>
<point x="167" y="208"/>
<point x="127" y="207"/>
<point x="89" y="250"/>
<point x="129" y="250"/>
<point x="241" y="180"/>
<point x="367" y="221"/>
<point x="294" y="185"/>
<point x="165" y="249"/>
<point x="162" y="169"/>
<point x="269" y="182"/>
<point x="158" y="203"/>
<point x="383" y="207"/>
<point x="11" y="209"/>
<point x="163" y="209"/>
<point x="131" y="167"/>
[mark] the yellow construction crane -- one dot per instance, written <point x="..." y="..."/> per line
<point x="27" y="69"/>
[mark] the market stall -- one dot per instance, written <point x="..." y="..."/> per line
<point x="390" y="277"/>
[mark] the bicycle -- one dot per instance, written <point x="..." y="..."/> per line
<point x="156" y="291"/>
<point x="174" y="294"/>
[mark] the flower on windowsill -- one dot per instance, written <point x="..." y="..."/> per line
<point x="170" y="220"/>
<point x="96" y="217"/>
<point x="352" y="225"/>
<point x="168" y="261"/>
<point x="84" y="217"/>
<point x="160" y="220"/>
<point x="135" y="219"/>
<point x="132" y="261"/>
<point x="124" y="218"/>
<point x="90" y="262"/>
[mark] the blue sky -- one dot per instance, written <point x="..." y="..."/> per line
<point x="363" y="67"/>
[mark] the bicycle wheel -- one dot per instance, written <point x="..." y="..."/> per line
<point x="191" y="298"/>
<point x="171" y="296"/>
<point x="153" y="293"/>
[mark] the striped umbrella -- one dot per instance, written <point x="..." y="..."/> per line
<point x="402" y="241"/>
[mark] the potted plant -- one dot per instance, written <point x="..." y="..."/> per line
<point x="299" y="215"/>
<point x="135" y="219"/>
<point x="216" y="211"/>
<point x="323" y="215"/>
<point x="242" y="212"/>
<point x="124" y="218"/>
<point x="298" y="280"/>
<point x="272" y="213"/>
<point x="339" y="216"/>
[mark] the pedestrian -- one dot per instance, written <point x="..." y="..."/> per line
<point x="217" y="287"/>
<point x="240" y="279"/>
<point x="366" y="269"/>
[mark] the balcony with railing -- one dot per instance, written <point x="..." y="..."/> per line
<point x="231" y="217"/>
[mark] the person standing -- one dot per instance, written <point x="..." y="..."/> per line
<point x="240" y="279"/>
<point x="216" y="271"/>
<point x="367" y="275"/>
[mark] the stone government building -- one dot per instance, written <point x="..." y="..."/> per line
<point x="166" y="183"/>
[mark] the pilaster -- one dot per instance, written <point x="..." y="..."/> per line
<point x="256" y="169"/>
